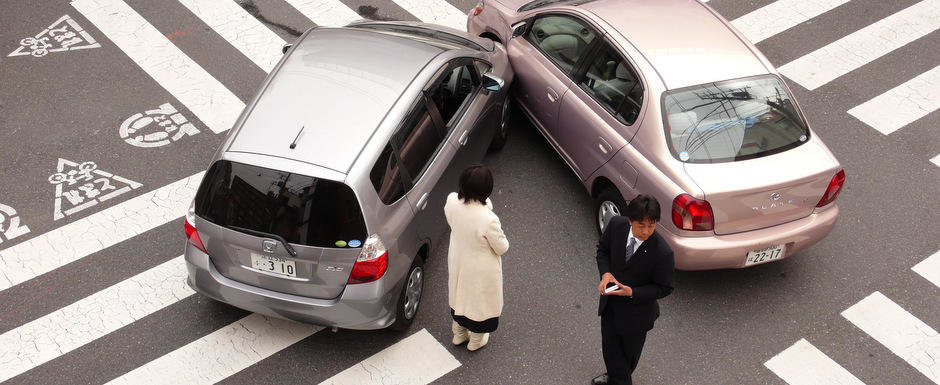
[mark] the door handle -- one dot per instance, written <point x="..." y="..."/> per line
<point x="463" y="138"/>
<point x="552" y="96"/>
<point x="603" y="146"/>
<point x="423" y="202"/>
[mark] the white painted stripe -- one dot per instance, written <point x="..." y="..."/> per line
<point x="222" y="353"/>
<point x="902" y="104"/>
<point x="418" y="359"/>
<point x="936" y="160"/>
<point x="92" y="317"/>
<point x="899" y="331"/>
<point x="189" y="83"/>
<point x="325" y="13"/>
<point x="76" y="240"/>
<point x="857" y="49"/>
<point x="780" y="16"/>
<point x="929" y="268"/>
<point x="803" y="364"/>
<point x="240" y="29"/>
<point x="435" y="11"/>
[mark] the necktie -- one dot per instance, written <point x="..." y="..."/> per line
<point x="630" y="246"/>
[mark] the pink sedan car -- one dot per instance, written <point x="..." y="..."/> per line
<point x="665" y="97"/>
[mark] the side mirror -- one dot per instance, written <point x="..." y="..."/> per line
<point x="518" y="29"/>
<point x="286" y="47"/>
<point x="492" y="82"/>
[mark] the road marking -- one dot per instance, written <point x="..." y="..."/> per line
<point x="10" y="224"/>
<point x="803" y="364"/>
<point x="157" y="127"/>
<point x="240" y="29"/>
<point x="929" y="268"/>
<point x="903" y="104"/>
<point x="56" y="248"/>
<point x="325" y="13"/>
<point x="780" y="16"/>
<point x="936" y="160"/>
<point x="222" y="353"/>
<point x="65" y="32"/>
<point x="899" y="331"/>
<point x="418" y="359"/>
<point x="92" y="317"/>
<point x="435" y="11"/>
<point x="84" y="185"/>
<point x="857" y="49"/>
<point x="189" y="83"/>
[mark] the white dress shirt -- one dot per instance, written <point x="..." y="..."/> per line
<point x="637" y="241"/>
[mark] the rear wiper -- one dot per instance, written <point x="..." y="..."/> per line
<point x="290" y="250"/>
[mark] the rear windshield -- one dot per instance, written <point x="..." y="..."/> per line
<point x="734" y="120"/>
<point x="304" y="210"/>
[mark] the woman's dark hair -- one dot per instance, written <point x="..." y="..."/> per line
<point x="476" y="184"/>
<point x="643" y="207"/>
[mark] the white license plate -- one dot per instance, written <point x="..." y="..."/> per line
<point x="764" y="255"/>
<point x="274" y="265"/>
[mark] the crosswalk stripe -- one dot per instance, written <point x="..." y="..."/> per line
<point x="92" y="317"/>
<point x="861" y="47"/>
<point x="780" y="16"/>
<point x="902" y="104"/>
<point x="222" y="353"/>
<point x="418" y="359"/>
<point x="435" y="11"/>
<point x="240" y="29"/>
<point x="201" y="93"/>
<point x="56" y="248"/>
<point x="936" y="160"/>
<point x="929" y="268"/>
<point x="325" y="13"/>
<point x="899" y="331"/>
<point x="804" y="364"/>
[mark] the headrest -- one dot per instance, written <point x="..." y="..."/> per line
<point x="623" y="73"/>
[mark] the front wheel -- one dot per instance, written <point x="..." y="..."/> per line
<point x="608" y="204"/>
<point x="410" y="296"/>
<point x="502" y="130"/>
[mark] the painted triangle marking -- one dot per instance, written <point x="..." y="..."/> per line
<point x="10" y="224"/>
<point x="63" y="35"/>
<point x="83" y="186"/>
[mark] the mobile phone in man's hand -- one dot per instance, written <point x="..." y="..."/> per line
<point x="611" y="287"/>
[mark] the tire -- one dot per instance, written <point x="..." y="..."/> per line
<point x="607" y="204"/>
<point x="502" y="130"/>
<point x="410" y="297"/>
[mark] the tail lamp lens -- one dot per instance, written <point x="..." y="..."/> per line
<point x="372" y="262"/>
<point x="689" y="213"/>
<point x="835" y="187"/>
<point x="477" y="10"/>
<point x="191" y="234"/>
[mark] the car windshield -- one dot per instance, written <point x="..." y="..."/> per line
<point x="424" y="32"/>
<point x="303" y="210"/>
<point x="733" y="120"/>
<point x="541" y="3"/>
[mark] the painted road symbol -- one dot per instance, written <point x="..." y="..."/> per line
<point x="84" y="185"/>
<point x="63" y="35"/>
<point x="10" y="224"/>
<point x="155" y="128"/>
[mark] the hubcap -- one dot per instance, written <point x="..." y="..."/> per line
<point x="606" y="211"/>
<point x="413" y="292"/>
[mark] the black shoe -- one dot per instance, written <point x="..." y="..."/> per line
<point x="600" y="380"/>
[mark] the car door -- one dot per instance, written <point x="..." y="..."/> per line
<point x="543" y="58"/>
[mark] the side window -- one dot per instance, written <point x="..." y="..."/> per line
<point x="417" y="141"/>
<point x="614" y="84"/>
<point x="386" y="177"/>
<point x="455" y="86"/>
<point x="563" y="39"/>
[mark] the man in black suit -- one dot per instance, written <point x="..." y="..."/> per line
<point x="638" y="264"/>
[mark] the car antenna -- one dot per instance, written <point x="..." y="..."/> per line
<point x="294" y="143"/>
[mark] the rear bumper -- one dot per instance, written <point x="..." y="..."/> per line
<point x="363" y="306"/>
<point x="730" y="251"/>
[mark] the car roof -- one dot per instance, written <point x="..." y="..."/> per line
<point x="685" y="42"/>
<point x="336" y="86"/>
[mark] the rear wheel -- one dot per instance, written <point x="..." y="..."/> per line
<point x="502" y="131"/>
<point x="608" y="204"/>
<point x="410" y="296"/>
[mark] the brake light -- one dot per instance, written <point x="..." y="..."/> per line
<point x="372" y="262"/>
<point x="477" y="10"/>
<point x="835" y="187"/>
<point x="191" y="234"/>
<point x="689" y="213"/>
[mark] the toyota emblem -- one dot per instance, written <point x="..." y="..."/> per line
<point x="775" y="196"/>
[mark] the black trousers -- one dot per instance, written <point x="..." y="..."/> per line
<point x="621" y="351"/>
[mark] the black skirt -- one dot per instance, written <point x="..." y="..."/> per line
<point x="486" y="326"/>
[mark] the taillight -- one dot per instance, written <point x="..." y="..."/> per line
<point x="372" y="262"/>
<point x="191" y="234"/>
<point x="476" y="10"/>
<point x="835" y="187"/>
<point x="689" y="213"/>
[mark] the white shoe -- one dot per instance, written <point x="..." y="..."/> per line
<point x="461" y="334"/>
<point x="478" y="340"/>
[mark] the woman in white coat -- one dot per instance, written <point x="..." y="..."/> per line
<point x="475" y="272"/>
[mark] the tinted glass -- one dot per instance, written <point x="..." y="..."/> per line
<point x="417" y="141"/>
<point x="563" y="39"/>
<point x="453" y="89"/>
<point x="304" y="210"/>
<point x="733" y="120"/>
<point x="386" y="177"/>
<point x="611" y="80"/>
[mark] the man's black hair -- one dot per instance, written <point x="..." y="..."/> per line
<point x="476" y="184"/>
<point x="643" y="207"/>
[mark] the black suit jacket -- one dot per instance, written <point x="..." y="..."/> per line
<point x="650" y="273"/>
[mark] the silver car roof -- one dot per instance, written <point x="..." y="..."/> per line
<point x="337" y="85"/>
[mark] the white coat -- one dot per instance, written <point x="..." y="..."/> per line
<point x="475" y="272"/>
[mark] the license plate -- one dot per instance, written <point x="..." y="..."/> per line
<point x="274" y="265"/>
<point x="764" y="255"/>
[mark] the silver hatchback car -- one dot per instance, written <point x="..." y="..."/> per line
<point x="326" y="198"/>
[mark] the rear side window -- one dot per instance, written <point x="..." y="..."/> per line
<point x="612" y="81"/>
<point x="302" y="209"/>
<point x="733" y="120"/>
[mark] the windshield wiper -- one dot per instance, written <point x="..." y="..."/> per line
<point x="290" y="250"/>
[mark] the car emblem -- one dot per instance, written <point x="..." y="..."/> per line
<point x="775" y="196"/>
<point x="268" y="246"/>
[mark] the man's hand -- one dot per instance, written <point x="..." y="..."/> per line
<point x="608" y="278"/>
